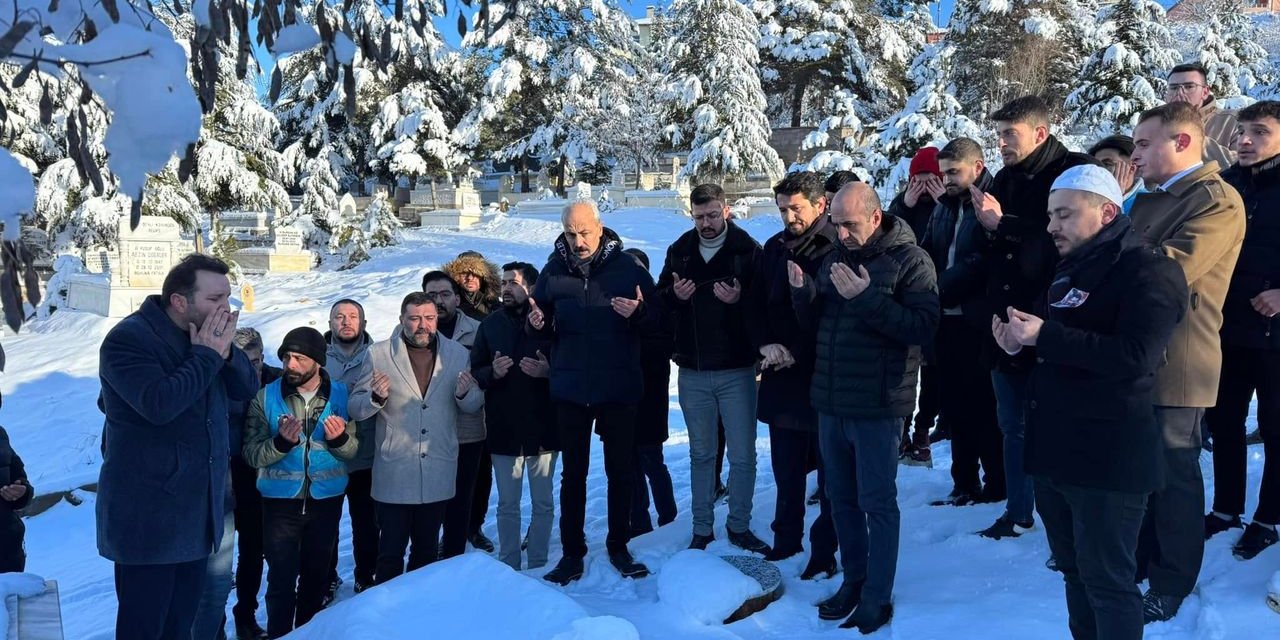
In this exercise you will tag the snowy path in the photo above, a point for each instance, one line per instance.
(951, 584)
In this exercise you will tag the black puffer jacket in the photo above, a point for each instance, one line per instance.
(963, 283)
(1020, 253)
(12, 471)
(517, 408)
(597, 351)
(782, 395)
(1258, 268)
(1089, 417)
(710, 335)
(868, 348)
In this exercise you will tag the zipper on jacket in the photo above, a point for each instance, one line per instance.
(306, 454)
(586, 285)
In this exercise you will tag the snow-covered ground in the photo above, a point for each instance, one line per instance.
(951, 583)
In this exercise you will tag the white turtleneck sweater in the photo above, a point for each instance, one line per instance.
(709, 247)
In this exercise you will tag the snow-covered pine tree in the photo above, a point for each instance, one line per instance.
(1218, 59)
(719, 110)
(412, 127)
(932, 115)
(545, 68)
(1126, 77)
(1256, 74)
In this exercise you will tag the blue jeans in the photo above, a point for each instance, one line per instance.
(1011, 413)
(860, 463)
(706, 397)
(211, 615)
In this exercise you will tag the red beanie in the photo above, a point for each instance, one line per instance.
(925, 161)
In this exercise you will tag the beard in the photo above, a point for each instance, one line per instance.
(420, 338)
(298, 379)
(355, 336)
(509, 301)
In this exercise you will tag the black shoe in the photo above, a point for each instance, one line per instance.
(722, 492)
(566, 571)
(360, 587)
(958, 498)
(816, 568)
(626, 565)
(1005, 527)
(989, 496)
(479, 541)
(867, 618)
(1253, 438)
(1213, 525)
(939, 434)
(813, 499)
(1255, 539)
(1158, 608)
(778, 554)
(748, 541)
(249, 630)
(524, 544)
(842, 603)
(332, 593)
(700, 542)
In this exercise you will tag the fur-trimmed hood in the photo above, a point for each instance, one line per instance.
(491, 288)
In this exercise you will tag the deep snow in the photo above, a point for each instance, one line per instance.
(951, 583)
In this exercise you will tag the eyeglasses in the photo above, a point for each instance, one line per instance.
(438, 295)
(708, 217)
(1184, 87)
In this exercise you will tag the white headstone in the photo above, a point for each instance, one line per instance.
(288, 240)
(582, 191)
(149, 251)
(347, 207)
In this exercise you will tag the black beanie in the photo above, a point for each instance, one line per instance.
(306, 341)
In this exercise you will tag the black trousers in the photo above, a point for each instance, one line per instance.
(158, 601)
(649, 465)
(364, 528)
(1244, 373)
(616, 425)
(968, 404)
(400, 524)
(300, 536)
(13, 553)
(458, 509)
(483, 490)
(249, 553)
(1171, 546)
(793, 454)
(1093, 535)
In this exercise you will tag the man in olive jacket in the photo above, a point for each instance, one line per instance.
(416, 453)
(1198, 220)
(874, 302)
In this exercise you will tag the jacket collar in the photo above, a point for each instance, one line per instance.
(1186, 182)
(610, 247)
(735, 239)
(287, 388)
(893, 232)
(1046, 154)
(335, 347)
(1265, 173)
(154, 314)
(1109, 241)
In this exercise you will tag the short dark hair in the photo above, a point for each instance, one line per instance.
(359, 307)
(415, 299)
(1032, 110)
(1176, 113)
(1259, 110)
(434, 276)
(806, 183)
(528, 272)
(181, 279)
(1190, 67)
(640, 256)
(704, 193)
(961, 149)
(1119, 142)
(838, 179)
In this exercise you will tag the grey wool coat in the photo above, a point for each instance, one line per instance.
(470, 425)
(415, 458)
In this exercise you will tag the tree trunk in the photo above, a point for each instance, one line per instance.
(560, 175)
(524, 174)
(639, 166)
(797, 99)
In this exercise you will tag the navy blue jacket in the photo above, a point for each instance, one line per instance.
(518, 417)
(1258, 268)
(164, 468)
(11, 528)
(596, 352)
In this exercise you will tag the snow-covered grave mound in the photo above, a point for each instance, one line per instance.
(470, 596)
(704, 587)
